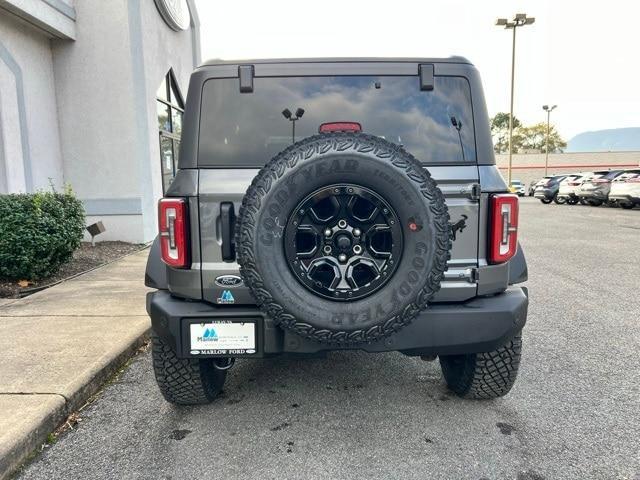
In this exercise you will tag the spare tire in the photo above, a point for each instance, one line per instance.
(343, 238)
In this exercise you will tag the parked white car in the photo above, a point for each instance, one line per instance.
(625, 189)
(569, 186)
(517, 187)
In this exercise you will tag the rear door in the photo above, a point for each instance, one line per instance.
(241, 131)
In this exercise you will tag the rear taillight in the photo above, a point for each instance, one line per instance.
(574, 184)
(633, 180)
(174, 228)
(503, 228)
(353, 127)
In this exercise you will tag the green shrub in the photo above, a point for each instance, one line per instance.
(38, 233)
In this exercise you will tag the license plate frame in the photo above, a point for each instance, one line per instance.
(225, 337)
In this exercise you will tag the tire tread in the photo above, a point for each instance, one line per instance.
(185, 381)
(288, 159)
(484, 375)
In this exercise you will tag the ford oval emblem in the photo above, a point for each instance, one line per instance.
(228, 281)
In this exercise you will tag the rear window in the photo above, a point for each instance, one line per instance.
(626, 176)
(247, 129)
(608, 175)
(571, 178)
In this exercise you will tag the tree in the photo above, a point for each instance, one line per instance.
(500, 132)
(535, 138)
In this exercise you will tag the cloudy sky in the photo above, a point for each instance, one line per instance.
(582, 55)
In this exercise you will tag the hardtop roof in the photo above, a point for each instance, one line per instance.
(452, 59)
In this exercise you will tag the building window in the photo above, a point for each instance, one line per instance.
(170, 108)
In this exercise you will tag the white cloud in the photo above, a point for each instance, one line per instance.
(580, 55)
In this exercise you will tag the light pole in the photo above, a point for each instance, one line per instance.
(286, 113)
(519, 20)
(547, 109)
(457, 124)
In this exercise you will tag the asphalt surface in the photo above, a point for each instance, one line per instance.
(573, 413)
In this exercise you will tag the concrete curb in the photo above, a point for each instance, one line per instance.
(25, 443)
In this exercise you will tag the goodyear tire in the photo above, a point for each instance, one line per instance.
(394, 182)
(185, 381)
(483, 375)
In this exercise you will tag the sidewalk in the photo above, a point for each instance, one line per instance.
(59, 345)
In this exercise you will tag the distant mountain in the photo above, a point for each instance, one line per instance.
(612, 140)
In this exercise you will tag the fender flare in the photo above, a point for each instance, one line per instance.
(518, 272)
(155, 275)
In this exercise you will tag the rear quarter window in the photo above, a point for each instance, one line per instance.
(247, 129)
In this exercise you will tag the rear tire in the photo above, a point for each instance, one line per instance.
(559, 201)
(583, 201)
(627, 206)
(571, 201)
(483, 375)
(185, 381)
(546, 201)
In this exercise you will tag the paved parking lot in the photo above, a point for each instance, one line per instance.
(574, 412)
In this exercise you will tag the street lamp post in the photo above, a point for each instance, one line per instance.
(286, 113)
(519, 20)
(547, 109)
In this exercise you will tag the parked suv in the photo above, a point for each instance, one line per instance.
(569, 186)
(336, 204)
(625, 189)
(595, 190)
(547, 189)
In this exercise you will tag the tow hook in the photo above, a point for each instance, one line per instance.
(224, 363)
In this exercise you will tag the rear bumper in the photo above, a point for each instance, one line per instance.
(478, 325)
(624, 198)
(567, 195)
(546, 194)
(593, 194)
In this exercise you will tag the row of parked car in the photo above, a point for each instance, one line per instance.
(612, 187)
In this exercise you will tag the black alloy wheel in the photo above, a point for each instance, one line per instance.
(343, 242)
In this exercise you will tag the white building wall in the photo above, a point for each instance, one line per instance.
(106, 83)
(162, 49)
(30, 153)
(78, 82)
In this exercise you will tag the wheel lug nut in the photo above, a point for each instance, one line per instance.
(327, 249)
(342, 223)
(357, 249)
(342, 257)
(327, 232)
(356, 232)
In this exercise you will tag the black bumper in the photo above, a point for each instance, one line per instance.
(478, 325)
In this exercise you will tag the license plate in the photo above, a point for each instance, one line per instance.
(222, 338)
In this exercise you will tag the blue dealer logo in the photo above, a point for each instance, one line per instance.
(226, 297)
(209, 335)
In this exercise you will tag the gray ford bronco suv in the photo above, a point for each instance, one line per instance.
(333, 204)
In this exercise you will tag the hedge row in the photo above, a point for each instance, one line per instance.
(38, 233)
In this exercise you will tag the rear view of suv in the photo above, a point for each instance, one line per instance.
(569, 186)
(547, 189)
(625, 189)
(336, 204)
(595, 190)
